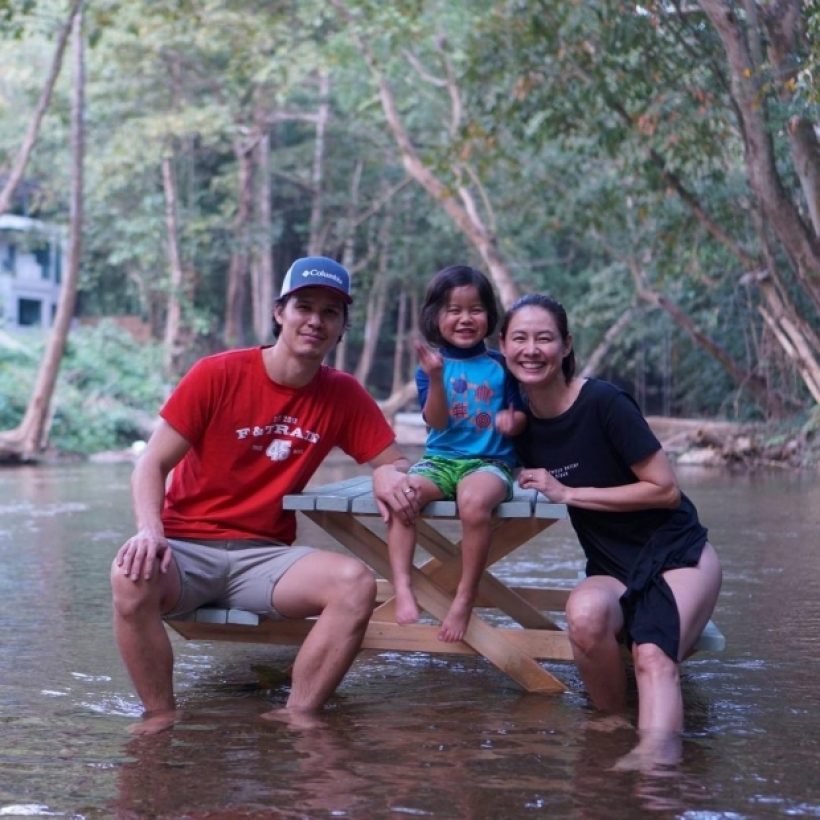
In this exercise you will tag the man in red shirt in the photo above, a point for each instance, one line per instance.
(241, 430)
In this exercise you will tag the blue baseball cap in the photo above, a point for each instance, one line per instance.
(317, 272)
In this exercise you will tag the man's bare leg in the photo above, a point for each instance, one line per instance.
(478, 495)
(144, 644)
(342, 591)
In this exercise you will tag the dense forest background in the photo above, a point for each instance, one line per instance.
(654, 166)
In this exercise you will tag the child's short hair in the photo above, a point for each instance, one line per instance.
(455, 276)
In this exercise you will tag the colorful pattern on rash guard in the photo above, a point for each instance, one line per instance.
(477, 387)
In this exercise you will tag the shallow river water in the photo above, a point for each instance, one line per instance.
(405, 734)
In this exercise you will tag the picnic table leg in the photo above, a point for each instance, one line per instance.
(363, 542)
(445, 569)
(506, 538)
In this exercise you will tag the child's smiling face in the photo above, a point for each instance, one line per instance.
(463, 318)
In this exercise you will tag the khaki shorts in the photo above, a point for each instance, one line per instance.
(231, 574)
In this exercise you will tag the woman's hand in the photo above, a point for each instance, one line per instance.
(656, 488)
(537, 478)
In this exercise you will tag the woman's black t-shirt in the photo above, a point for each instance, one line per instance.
(593, 444)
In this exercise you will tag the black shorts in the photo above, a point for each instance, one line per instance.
(649, 607)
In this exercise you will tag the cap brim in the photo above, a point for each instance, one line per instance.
(348, 299)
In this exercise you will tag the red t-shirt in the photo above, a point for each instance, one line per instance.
(254, 441)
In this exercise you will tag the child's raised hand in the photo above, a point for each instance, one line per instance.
(504, 421)
(430, 361)
(508, 422)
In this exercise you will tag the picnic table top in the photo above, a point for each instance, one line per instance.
(355, 495)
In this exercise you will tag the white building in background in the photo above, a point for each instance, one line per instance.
(31, 263)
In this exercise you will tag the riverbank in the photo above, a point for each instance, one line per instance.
(108, 379)
(699, 442)
(690, 442)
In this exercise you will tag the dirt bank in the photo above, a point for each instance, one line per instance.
(699, 442)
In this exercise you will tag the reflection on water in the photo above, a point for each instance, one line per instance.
(406, 734)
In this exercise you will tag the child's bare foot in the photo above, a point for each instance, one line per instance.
(455, 624)
(407, 610)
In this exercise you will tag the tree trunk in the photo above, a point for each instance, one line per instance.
(647, 293)
(470, 225)
(398, 399)
(466, 218)
(398, 348)
(797, 338)
(593, 363)
(262, 262)
(807, 167)
(30, 437)
(780, 211)
(340, 353)
(238, 269)
(376, 300)
(317, 176)
(792, 338)
(782, 21)
(23, 155)
(172, 341)
(402, 394)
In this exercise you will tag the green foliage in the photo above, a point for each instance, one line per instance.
(108, 391)
(18, 366)
(581, 124)
(11, 14)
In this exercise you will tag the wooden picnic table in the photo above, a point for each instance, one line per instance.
(342, 509)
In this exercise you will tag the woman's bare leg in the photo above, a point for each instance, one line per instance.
(660, 703)
(594, 621)
(696, 591)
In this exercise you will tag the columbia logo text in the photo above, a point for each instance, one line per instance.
(323, 274)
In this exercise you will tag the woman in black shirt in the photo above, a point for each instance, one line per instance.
(652, 576)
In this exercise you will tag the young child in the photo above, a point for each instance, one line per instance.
(471, 408)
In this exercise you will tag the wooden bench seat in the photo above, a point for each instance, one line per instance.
(293, 633)
(342, 508)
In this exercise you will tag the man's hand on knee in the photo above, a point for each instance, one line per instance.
(141, 553)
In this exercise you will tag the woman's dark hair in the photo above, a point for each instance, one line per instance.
(556, 309)
(283, 300)
(455, 276)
